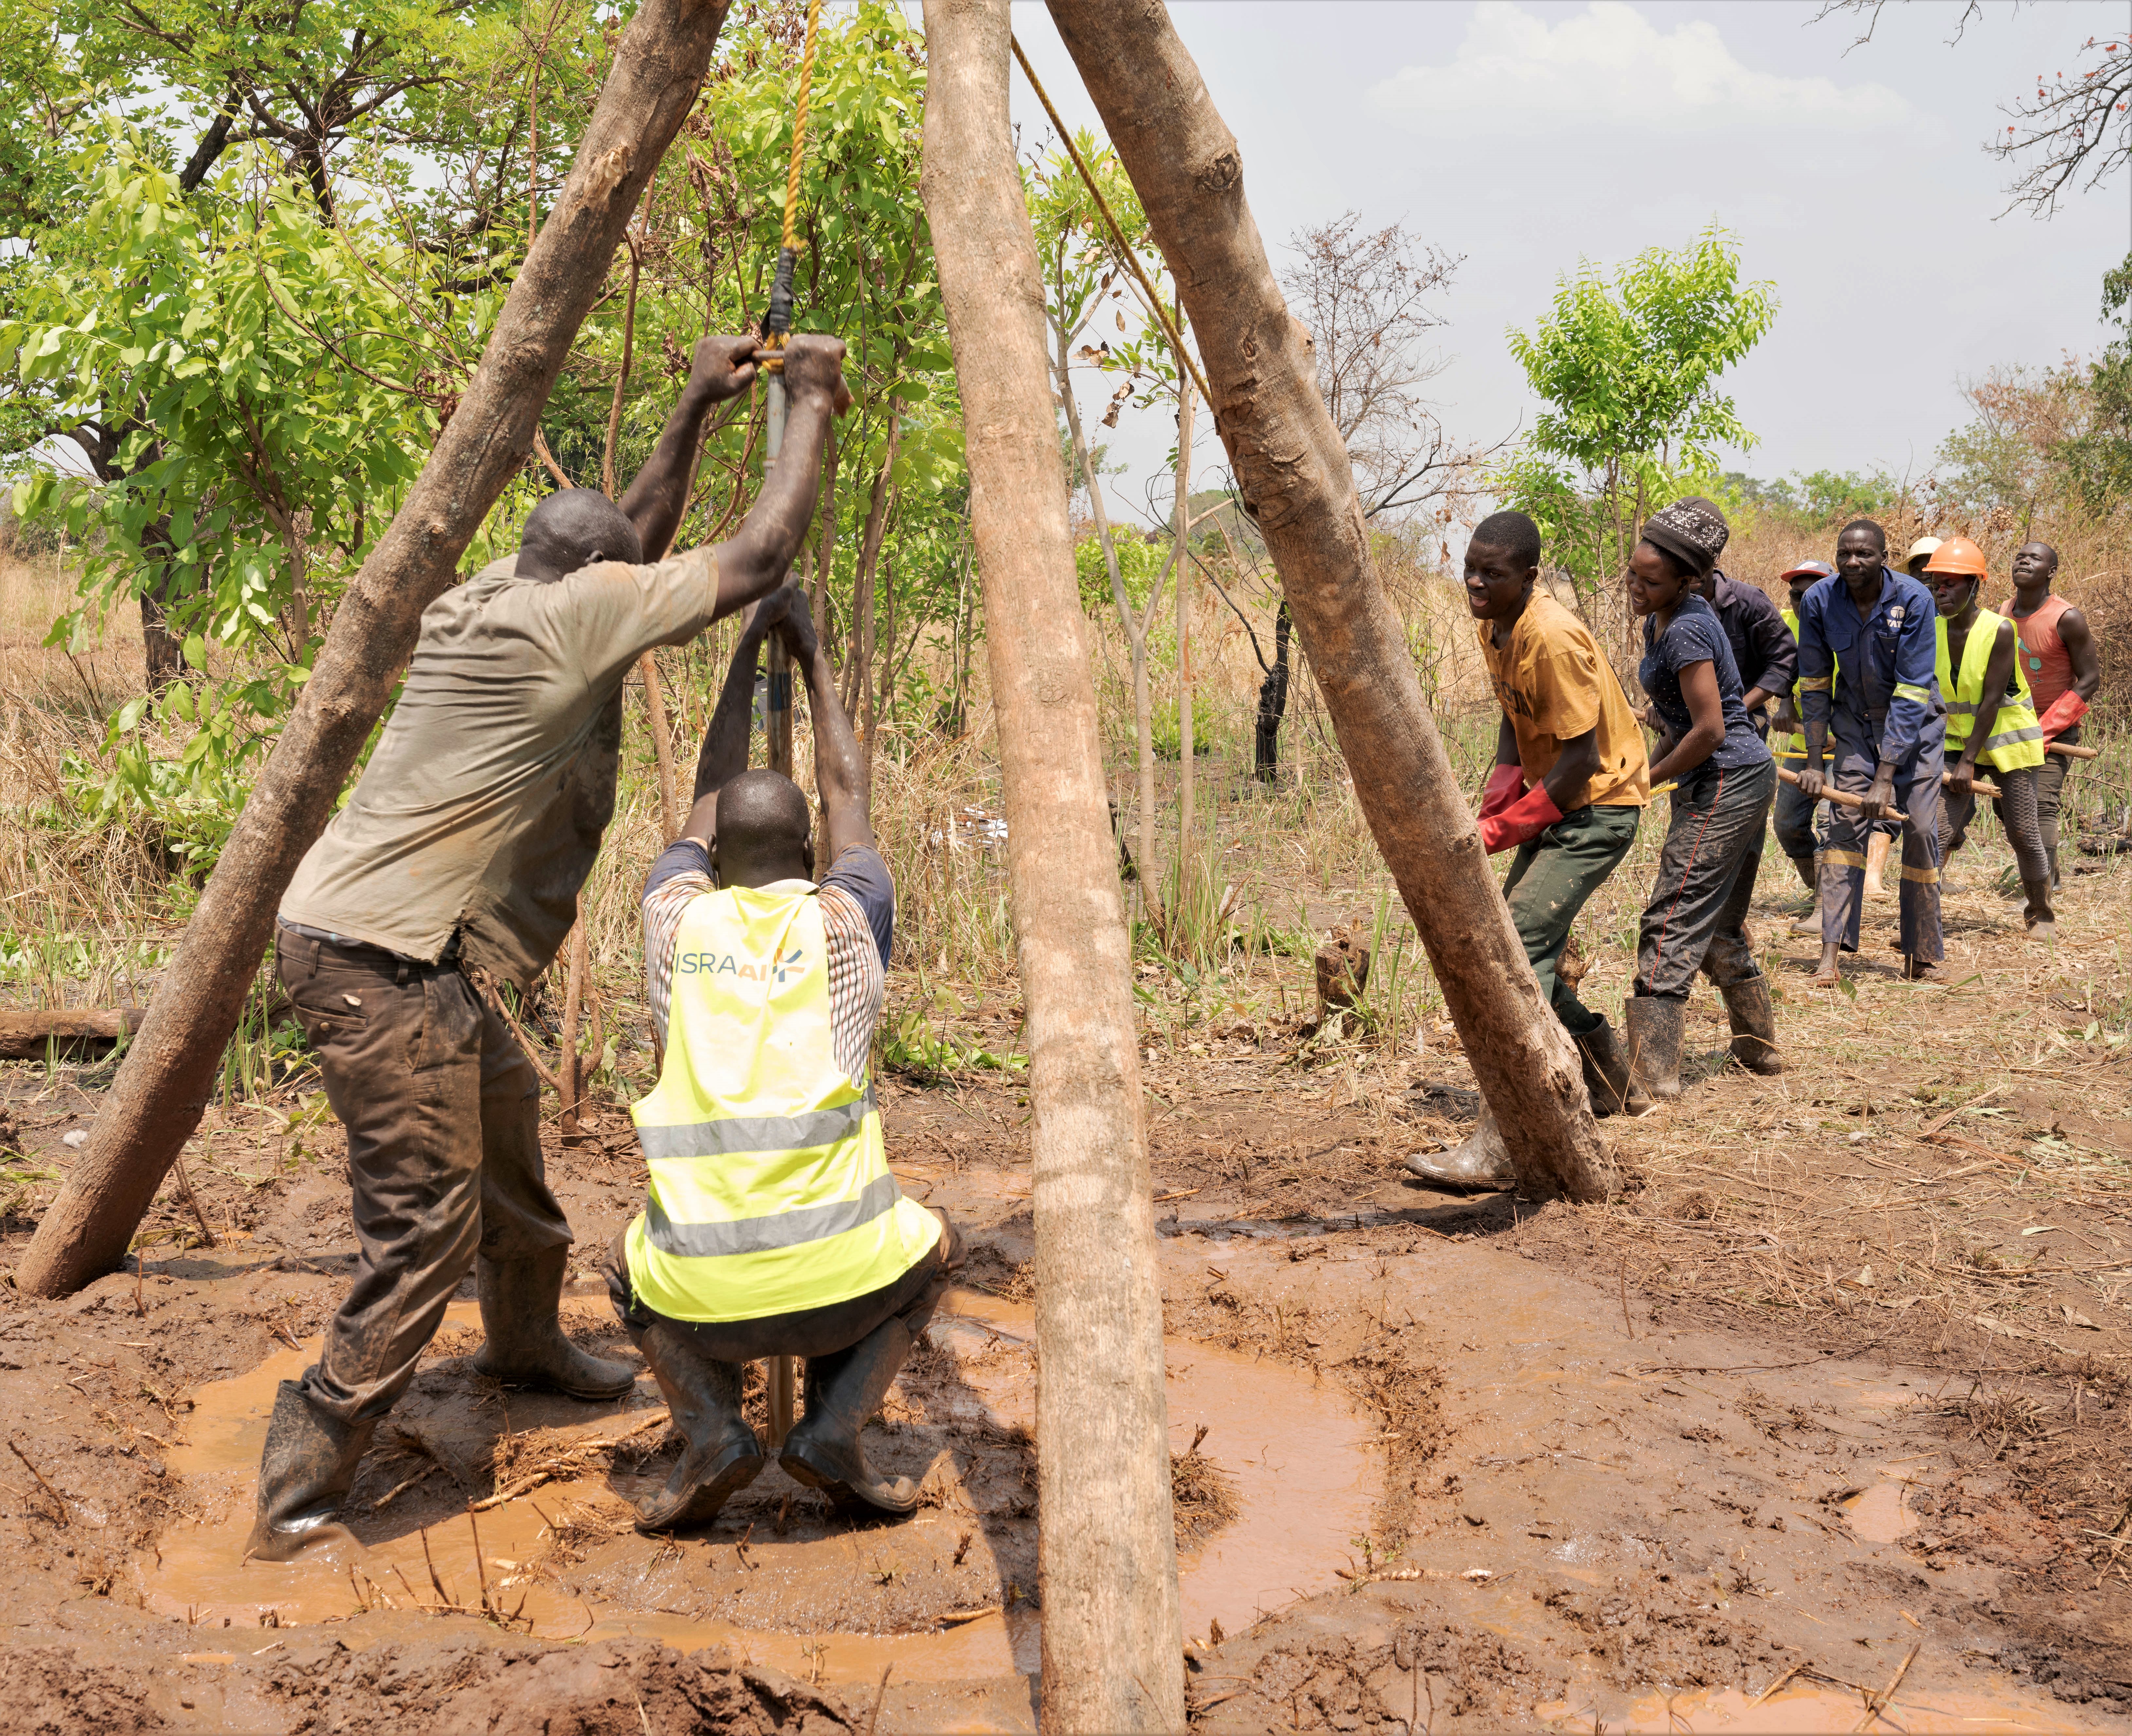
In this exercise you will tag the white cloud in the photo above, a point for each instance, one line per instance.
(1610, 65)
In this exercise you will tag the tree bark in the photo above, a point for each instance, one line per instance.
(672, 814)
(1298, 485)
(161, 1089)
(1113, 1636)
(1273, 703)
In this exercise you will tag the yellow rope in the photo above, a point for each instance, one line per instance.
(799, 128)
(1129, 258)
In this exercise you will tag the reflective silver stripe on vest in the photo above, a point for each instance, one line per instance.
(757, 1132)
(2007, 737)
(763, 1235)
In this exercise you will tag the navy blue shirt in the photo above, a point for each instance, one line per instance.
(1695, 635)
(1888, 689)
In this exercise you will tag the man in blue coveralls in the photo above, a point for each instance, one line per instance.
(1866, 658)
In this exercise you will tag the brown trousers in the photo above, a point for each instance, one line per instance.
(442, 1110)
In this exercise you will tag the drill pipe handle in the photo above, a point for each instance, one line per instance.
(1845, 799)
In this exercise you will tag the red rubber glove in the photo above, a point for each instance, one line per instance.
(1519, 821)
(2067, 710)
(1505, 784)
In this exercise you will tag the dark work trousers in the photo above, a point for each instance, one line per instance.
(2016, 809)
(1843, 867)
(1695, 918)
(443, 1113)
(806, 1331)
(1792, 821)
(1550, 880)
(2050, 792)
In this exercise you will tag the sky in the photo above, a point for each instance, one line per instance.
(1526, 134)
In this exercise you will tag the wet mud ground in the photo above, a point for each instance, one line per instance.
(1823, 1419)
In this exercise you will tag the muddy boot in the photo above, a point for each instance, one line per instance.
(841, 1390)
(721, 1456)
(1480, 1162)
(2041, 918)
(1653, 1023)
(1754, 1015)
(1876, 859)
(527, 1347)
(308, 1466)
(1607, 1075)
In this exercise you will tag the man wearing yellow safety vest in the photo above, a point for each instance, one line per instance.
(1981, 678)
(1890, 731)
(772, 1226)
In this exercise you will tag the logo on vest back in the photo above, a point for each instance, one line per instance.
(772, 970)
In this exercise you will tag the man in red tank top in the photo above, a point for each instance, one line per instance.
(2057, 656)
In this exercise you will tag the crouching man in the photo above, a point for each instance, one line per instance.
(772, 1226)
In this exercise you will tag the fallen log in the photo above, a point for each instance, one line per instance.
(1292, 471)
(169, 1073)
(32, 1035)
(1112, 1631)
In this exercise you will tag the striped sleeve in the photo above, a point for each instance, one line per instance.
(857, 981)
(680, 877)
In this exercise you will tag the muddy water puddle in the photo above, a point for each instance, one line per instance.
(1303, 1464)
(1797, 1710)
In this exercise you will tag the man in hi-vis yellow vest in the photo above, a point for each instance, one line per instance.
(772, 1226)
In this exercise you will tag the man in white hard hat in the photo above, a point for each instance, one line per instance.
(1922, 550)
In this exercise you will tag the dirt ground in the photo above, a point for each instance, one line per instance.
(1824, 1418)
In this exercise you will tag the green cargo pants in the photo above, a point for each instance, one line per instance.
(1548, 881)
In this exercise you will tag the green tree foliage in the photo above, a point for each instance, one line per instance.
(1629, 366)
(2098, 458)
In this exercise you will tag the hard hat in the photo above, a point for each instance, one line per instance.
(1958, 554)
(1923, 545)
(1812, 569)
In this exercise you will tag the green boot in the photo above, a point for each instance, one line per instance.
(1754, 1016)
(721, 1456)
(842, 1391)
(527, 1347)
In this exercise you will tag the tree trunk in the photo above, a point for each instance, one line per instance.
(1273, 703)
(671, 812)
(858, 665)
(1298, 485)
(161, 1089)
(1106, 1553)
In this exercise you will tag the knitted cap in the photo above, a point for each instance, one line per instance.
(1692, 530)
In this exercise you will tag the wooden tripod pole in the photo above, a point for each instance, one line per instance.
(168, 1075)
(1296, 482)
(1107, 1551)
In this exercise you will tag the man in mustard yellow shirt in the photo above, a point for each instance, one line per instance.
(1569, 787)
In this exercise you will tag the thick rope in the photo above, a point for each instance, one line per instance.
(1127, 257)
(799, 128)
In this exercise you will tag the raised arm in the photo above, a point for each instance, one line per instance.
(757, 556)
(723, 369)
(840, 767)
(724, 754)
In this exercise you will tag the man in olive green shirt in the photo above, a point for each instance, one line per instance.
(462, 850)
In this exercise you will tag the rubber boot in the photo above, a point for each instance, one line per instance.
(840, 1392)
(527, 1346)
(1754, 1015)
(1653, 1023)
(306, 1469)
(2050, 855)
(721, 1456)
(1876, 859)
(1607, 1075)
(1481, 1161)
(2041, 918)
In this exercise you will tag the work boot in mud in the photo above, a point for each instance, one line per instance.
(527, 1346)
(2041, 920)
(1607, 1075)
(1749, 1005)
(841, 1390)
(720, 1455)
(1653, 1023)
(1481, 1161)
(305, 1470)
